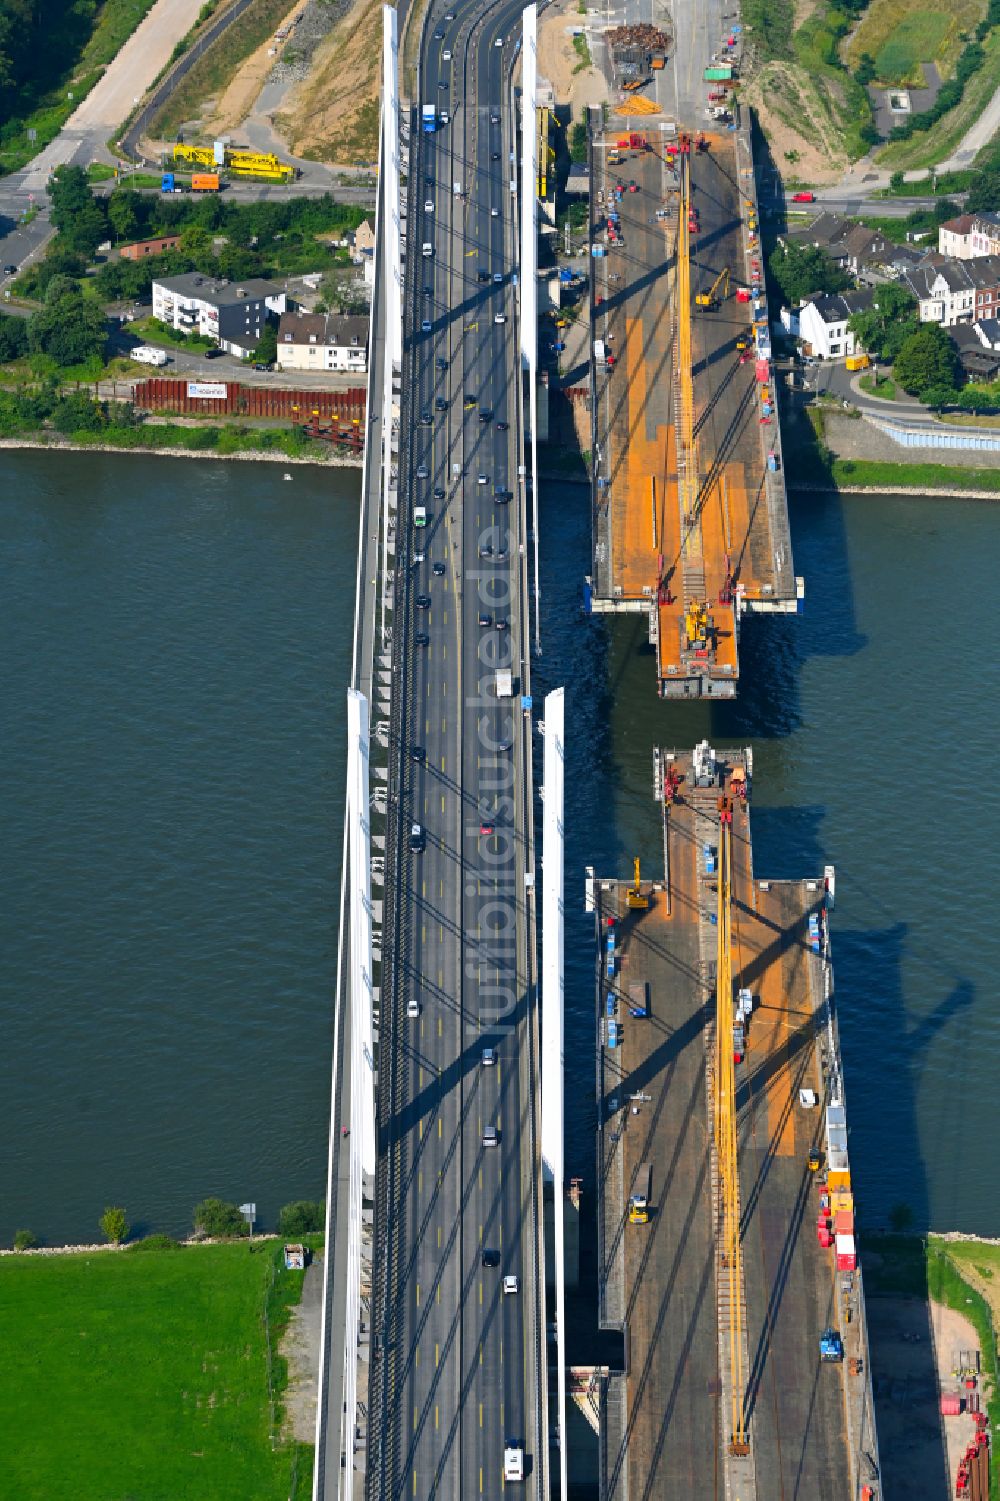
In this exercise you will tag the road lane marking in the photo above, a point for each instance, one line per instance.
(435, 1415)
(414, 1417)
(437, 1296)
(437, 1355)
(440, 1122)
(480, 1293)
(420, 1130)
(480, 1414)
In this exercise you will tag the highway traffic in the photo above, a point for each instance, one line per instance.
(457, 1379)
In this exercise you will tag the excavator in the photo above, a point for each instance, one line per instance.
(708, 300)
(633, 896)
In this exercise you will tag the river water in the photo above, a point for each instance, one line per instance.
(176, 640)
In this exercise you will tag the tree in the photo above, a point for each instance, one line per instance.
(928, 361)
(895, 307)
(938, 397)
(267, 346)
(13, 338)
(984, 195)
(24, 1240)
(865, 71)
(76, 413)
(124, 207)
(217, 1217)
(801, 270)
(114, 1225)
(577, 141)
(70, 330)
(303, 1217)
(81, 220)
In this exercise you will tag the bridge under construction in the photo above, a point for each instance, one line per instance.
(726, 1249)
(690, 512)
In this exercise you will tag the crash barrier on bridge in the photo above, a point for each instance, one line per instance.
(210, 398)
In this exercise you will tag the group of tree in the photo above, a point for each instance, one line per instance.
(928, 366)
(69, 328)
(802, 271)
(215, 1217)
(884, 328)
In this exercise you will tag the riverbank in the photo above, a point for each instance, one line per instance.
(900, 487)
(246, 455)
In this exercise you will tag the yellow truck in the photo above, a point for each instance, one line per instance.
(857, 362)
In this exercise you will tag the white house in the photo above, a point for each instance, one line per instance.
(823, 323)
(945, 293)
(323, 342)
(969, 236)
(233, 313)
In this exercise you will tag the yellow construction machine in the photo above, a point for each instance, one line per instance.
(633, 896)
(709, 300)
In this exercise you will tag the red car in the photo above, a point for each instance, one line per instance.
(803, 197)
(485, 828)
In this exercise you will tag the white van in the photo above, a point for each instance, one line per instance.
(427, 249)
(147, 355)
(513, 1463)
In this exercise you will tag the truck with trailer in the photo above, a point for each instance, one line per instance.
(205, 182)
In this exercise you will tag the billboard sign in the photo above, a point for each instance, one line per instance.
(208, 390)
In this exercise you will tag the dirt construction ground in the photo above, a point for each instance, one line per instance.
(333, 113)
(232, 107)
(560, 64)
(914, 1351)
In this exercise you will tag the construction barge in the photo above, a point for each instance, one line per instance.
(726, 1209)
(690, 514)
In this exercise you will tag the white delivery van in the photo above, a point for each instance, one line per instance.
(513, 1463)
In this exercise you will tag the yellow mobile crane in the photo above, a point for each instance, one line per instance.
(708, 299)
(725, 1135)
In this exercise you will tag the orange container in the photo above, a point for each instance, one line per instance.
(841, 1198)
(843, 1222)
(838, 1178)
(205, 182)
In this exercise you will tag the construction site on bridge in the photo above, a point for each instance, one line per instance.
(726, 1220)
(690, 511)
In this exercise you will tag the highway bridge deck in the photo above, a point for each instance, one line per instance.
(659, 1278)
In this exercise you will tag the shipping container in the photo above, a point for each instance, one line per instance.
(841, 1198)
(951, 1404)
(838, 1178)
(843, 1221)
(205, 182)
(846, 1253)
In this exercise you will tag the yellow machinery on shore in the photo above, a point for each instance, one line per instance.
(239, 163)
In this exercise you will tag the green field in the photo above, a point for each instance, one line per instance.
(917, 39)
(928, 147)
(902, 34)
(144, 1375)
(887, 474)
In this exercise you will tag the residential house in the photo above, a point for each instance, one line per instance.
(955, 237)
(823, 323)
(361, 241)
(978, 346)
(322, 342)
(140, 248)
(944, 291)
(985, 274)
(969, 236)
(233, 314)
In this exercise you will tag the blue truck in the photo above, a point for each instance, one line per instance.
(428, 117)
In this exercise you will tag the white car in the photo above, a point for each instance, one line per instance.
(498, 42)
(446, 55)
(428, 205)
(499, 317)
(510, 1285)
(413, 1008)
(494, 213)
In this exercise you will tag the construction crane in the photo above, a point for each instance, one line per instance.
(696, 624)
(725, 1136)
(633, 896)
(688, 466)
(708, 299)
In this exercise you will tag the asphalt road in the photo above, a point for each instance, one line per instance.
(460, 1376)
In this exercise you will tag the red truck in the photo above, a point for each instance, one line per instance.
(803, 197)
